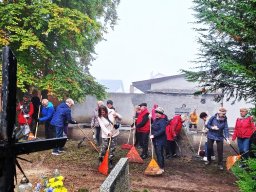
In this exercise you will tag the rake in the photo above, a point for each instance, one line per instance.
(152, 168)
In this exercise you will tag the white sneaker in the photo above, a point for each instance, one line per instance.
(55, 153)
(205, 159)
(160, 172)
(213, 158)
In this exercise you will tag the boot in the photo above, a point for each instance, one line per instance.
(111, 165)
(100, 160)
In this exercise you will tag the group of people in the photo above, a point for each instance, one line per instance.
(54, 120)
(217, 131)
(152, 125)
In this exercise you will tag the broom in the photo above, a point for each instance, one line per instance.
(103, 168)
(86, 137)
(127, 145)
(133, 155)
(38, 115)
(152, 168)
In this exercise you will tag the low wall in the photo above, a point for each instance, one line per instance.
(118, 179)
(125, 103)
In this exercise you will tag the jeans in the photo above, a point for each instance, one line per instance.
(243, 145)
(206, 149)
(97, 135)
(59, 134)
(170, 149)
(219, 150)
(159, 150)
(49, 130)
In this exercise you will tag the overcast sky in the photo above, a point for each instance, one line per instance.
(152, 36)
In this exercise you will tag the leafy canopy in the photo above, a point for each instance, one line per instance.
(54, 42)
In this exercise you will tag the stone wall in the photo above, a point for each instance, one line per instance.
(118, 179)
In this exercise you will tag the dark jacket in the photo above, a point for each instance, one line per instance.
(158, 130)
(62, 115)
(221, 124)
(47, 113)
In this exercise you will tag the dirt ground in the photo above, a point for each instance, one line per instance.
(79, 167)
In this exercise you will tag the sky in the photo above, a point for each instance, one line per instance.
(151, 37)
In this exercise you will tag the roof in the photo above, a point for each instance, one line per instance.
(145, 85)
(113, 86)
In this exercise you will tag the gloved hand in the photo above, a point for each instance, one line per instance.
(228, 142)
(149, 115)
(152, 136)
(26, 116)
(215, 127)
(21, 107)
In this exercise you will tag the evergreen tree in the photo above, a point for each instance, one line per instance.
(227, 59)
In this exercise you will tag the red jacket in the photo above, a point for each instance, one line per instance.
(173, 128)
(21, 119)
(244, 128)
(145, 128)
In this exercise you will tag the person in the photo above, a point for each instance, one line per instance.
(137, 134)
(36, 103)
(243, 131)
(109, 133)
(193, 119)
(25, 110)
(46, 117)
(204, 117)
(110, 104)
(61, 116)
(95, 122)
(158, 137)
(172, 132)
(153, 112)
(217, 131)
(143, 128)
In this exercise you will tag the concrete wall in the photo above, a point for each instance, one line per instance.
(118, 179)
(125, 102)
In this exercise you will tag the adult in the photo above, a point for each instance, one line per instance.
(36, 103)
(110, 104)
(143, 127)
(193, 119)
(62, 116)
(109, 133)
(25, 110)
(158, 137)
(172, 132)
(46, 117)
(204, 117)
(243, 131)
(217, 131)
(137, 134)
(95, 122)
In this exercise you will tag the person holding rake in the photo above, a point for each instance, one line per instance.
(158, 136)
(109, 132)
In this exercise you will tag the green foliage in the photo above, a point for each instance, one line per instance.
(227, 60)
(246, 176)
(54, 43)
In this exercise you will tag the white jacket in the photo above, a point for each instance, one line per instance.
(108, 127)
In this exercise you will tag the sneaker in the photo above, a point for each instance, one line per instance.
(213, 158)
(144, 156)
(205, 159)
(174, 155)
(61, 151)
(55, 153)
(221, 167)
(207, 163)
(160, 172)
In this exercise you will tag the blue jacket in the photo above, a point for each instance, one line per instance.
(61, 116)
(47, 113)
(221, 124)
(158, 130)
